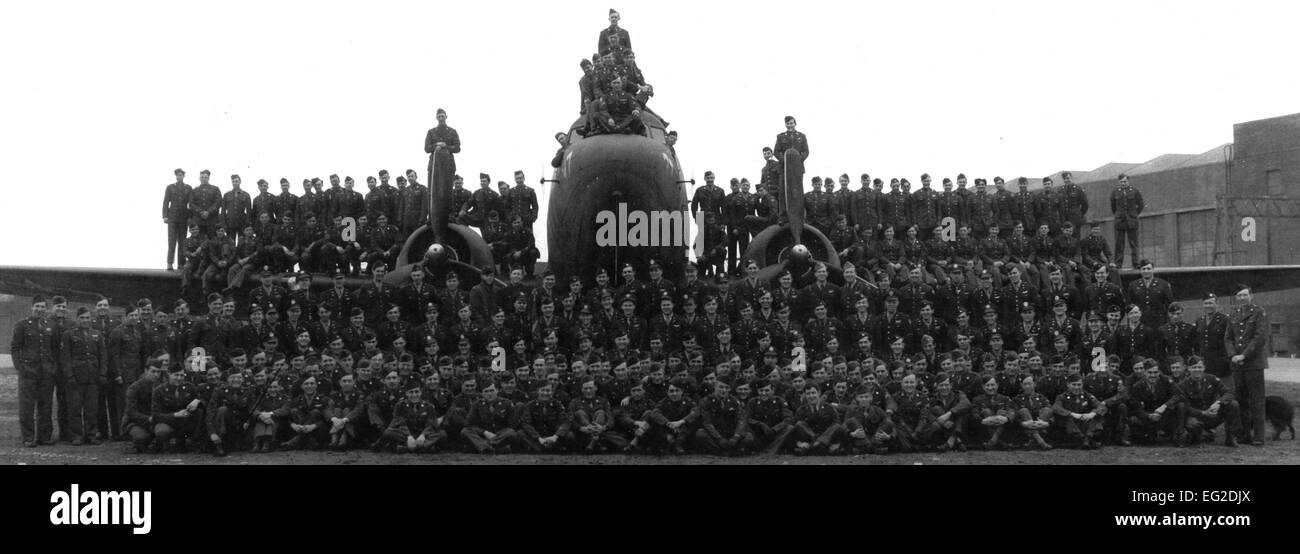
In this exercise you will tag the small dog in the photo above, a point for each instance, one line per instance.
(1279, 414)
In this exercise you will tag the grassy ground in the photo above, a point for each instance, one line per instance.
(12, 452)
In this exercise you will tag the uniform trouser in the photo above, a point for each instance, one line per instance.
(61, 405)
(279, 260)
(833, 434)
(526, 257)
(607, 437)
(1248, 385)
(180, 429)
(226, 423)
(954, 429)
(923, 232)
(737, 243)
(83, 402)
(176, 233)
(376, 256)
(1131, 237)
(504, 437)
(910, 434)
(871, 428)
(1044, 280)
(1084, 429)
(1116, 420)
(1173, 421)
(1229, 415)
(140, 436)
(994, 432)
(239, 272)
(266, 430)
(112, 397)
(399, 436)
(659, 434)
(235, 232)
(935, 273)
(771, 439)
(35, 394)
(212, 273)
(708, 444)
(563, 441)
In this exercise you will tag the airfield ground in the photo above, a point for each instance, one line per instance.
(1283, 380)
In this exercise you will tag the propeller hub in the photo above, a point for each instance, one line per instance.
(436, 254)
(800, 253)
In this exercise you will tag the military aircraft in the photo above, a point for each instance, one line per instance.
(617, 174)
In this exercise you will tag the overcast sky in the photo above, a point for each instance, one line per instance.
(102, 100)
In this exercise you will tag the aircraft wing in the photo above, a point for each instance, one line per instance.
(84, 283)
(1190, 283)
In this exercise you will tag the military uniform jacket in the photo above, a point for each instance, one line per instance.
(375, 298)
(673, 410)
(1048, 208)
(84, 357)
(168, 399)
(266, 203)
(139, 401)
(708, 199)
(1146, 396)
(791, 139)
(819, 417)
(953, 205)
(414, 206)
(415, 418)
(1127, 205)
(1074, 202)
(491, 416)
(723, 417)
(1178, 339)
(771, 411)
(982, 211)
(1209, 334)
(380, 404)
(543, 418)
(866, 210)
(442, 133)
(1107, 386)
(896, 209)
(238, 401)
(925, 208)
(1096, 251)
(1139, 341)
(205, 198)
(1078, 403)
(236, 209)
(1247, 335)
(34, 347)
(287, 205)
(1201, 392)
(986, 405)
(1034, 403)
(1004, 206)
(1024, 208)
(1153, 297)
(176, 199)
(126, 353)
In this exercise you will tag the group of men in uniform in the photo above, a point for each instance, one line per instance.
(650, 364)
(613, 91)
(887, 230)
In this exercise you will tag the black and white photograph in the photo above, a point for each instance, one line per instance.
(269, 235)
